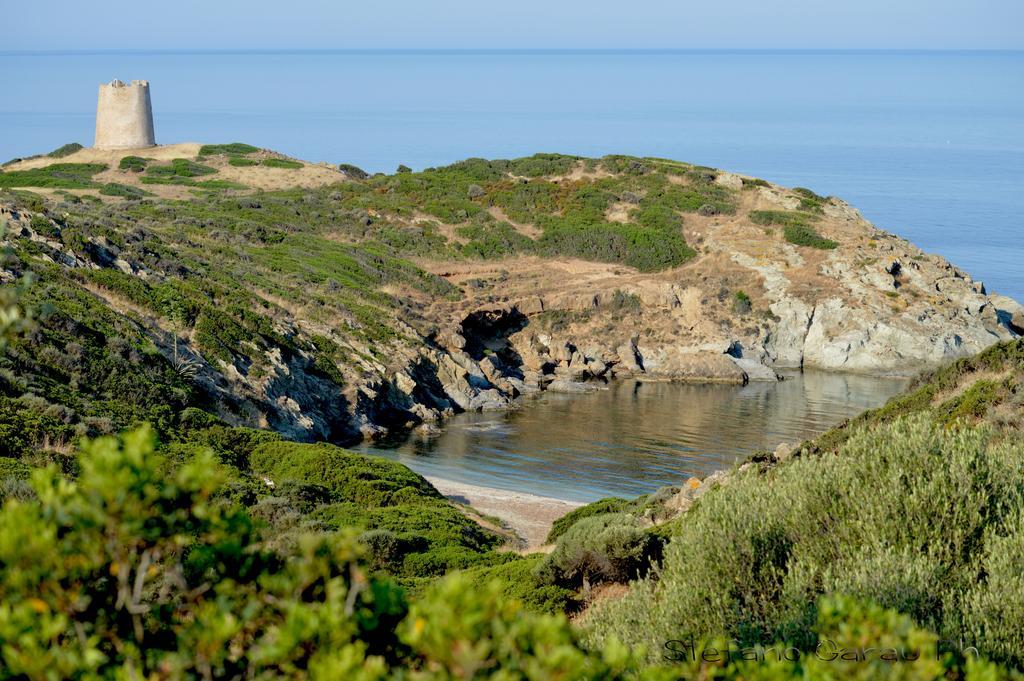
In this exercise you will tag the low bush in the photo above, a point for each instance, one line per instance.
(741, 303)
(609, 505)
(518, 580)
(44, 226)
(123, 190)
(366, 480)
(431, 537)
(65, 150)
(13, 468)
(802, 235)
(281, 163)
(57, 176)
(780, 217)
(493, 240)
(611, 547)
(796, 227)
(232, 149)
(178, 171)
(809, 201)
(353, 171)
(971, 404)
(136, 164)
(908, 514)
(242, 162)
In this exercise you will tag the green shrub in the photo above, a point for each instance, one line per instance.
(609, 505)
(541, 165)
(242, 162)
(972, 403)
(801, 235)
(809, 201)
(517, 580)
(136, 164)
(741, 303)
(612, 547)
(65, 150)
(44, 226)
(215, 184)
(13, 468)
(780, 217)
(281, 163)
(124, 190)
(904, 515)
(57, 176)
(178, 171)
(87, 572)
(493, 240)
(354, 477)
(432, 536)
(625, 302)
(233, 149)
(796, 227)
(353, 171)
(855, 640)
(462, 632)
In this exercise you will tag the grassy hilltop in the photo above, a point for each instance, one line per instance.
(161, 518)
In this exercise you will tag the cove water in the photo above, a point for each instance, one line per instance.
(635, 436)
(929, 145)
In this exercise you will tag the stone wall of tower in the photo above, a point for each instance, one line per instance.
(124, 116)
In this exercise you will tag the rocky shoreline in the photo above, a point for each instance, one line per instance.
(747, 304)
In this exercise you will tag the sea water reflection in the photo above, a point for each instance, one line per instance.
(635, 436)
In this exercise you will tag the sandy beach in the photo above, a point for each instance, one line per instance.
(529, 515)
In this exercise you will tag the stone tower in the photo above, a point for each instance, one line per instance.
(124, 116)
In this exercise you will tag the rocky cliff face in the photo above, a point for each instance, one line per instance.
(750, 304)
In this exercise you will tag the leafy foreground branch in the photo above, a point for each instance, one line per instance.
(137, 569)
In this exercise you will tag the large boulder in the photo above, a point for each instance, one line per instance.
(685, 364)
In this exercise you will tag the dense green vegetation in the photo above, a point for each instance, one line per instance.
(57, 175)
(193, 547)
(919, 518)
(571, 215)
(124, 190)
(136, 569)
(796, 225)
(805, 236)
(136, 164)
(281, 163)
(178, 171)
(232, 149)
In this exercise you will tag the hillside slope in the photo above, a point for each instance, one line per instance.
(348, 305)
(915, 506)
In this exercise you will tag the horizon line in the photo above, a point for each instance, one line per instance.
(517, 50)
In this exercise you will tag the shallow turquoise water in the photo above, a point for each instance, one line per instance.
(634, 437)
(929, 145)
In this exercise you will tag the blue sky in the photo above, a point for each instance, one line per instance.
(463, 24)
